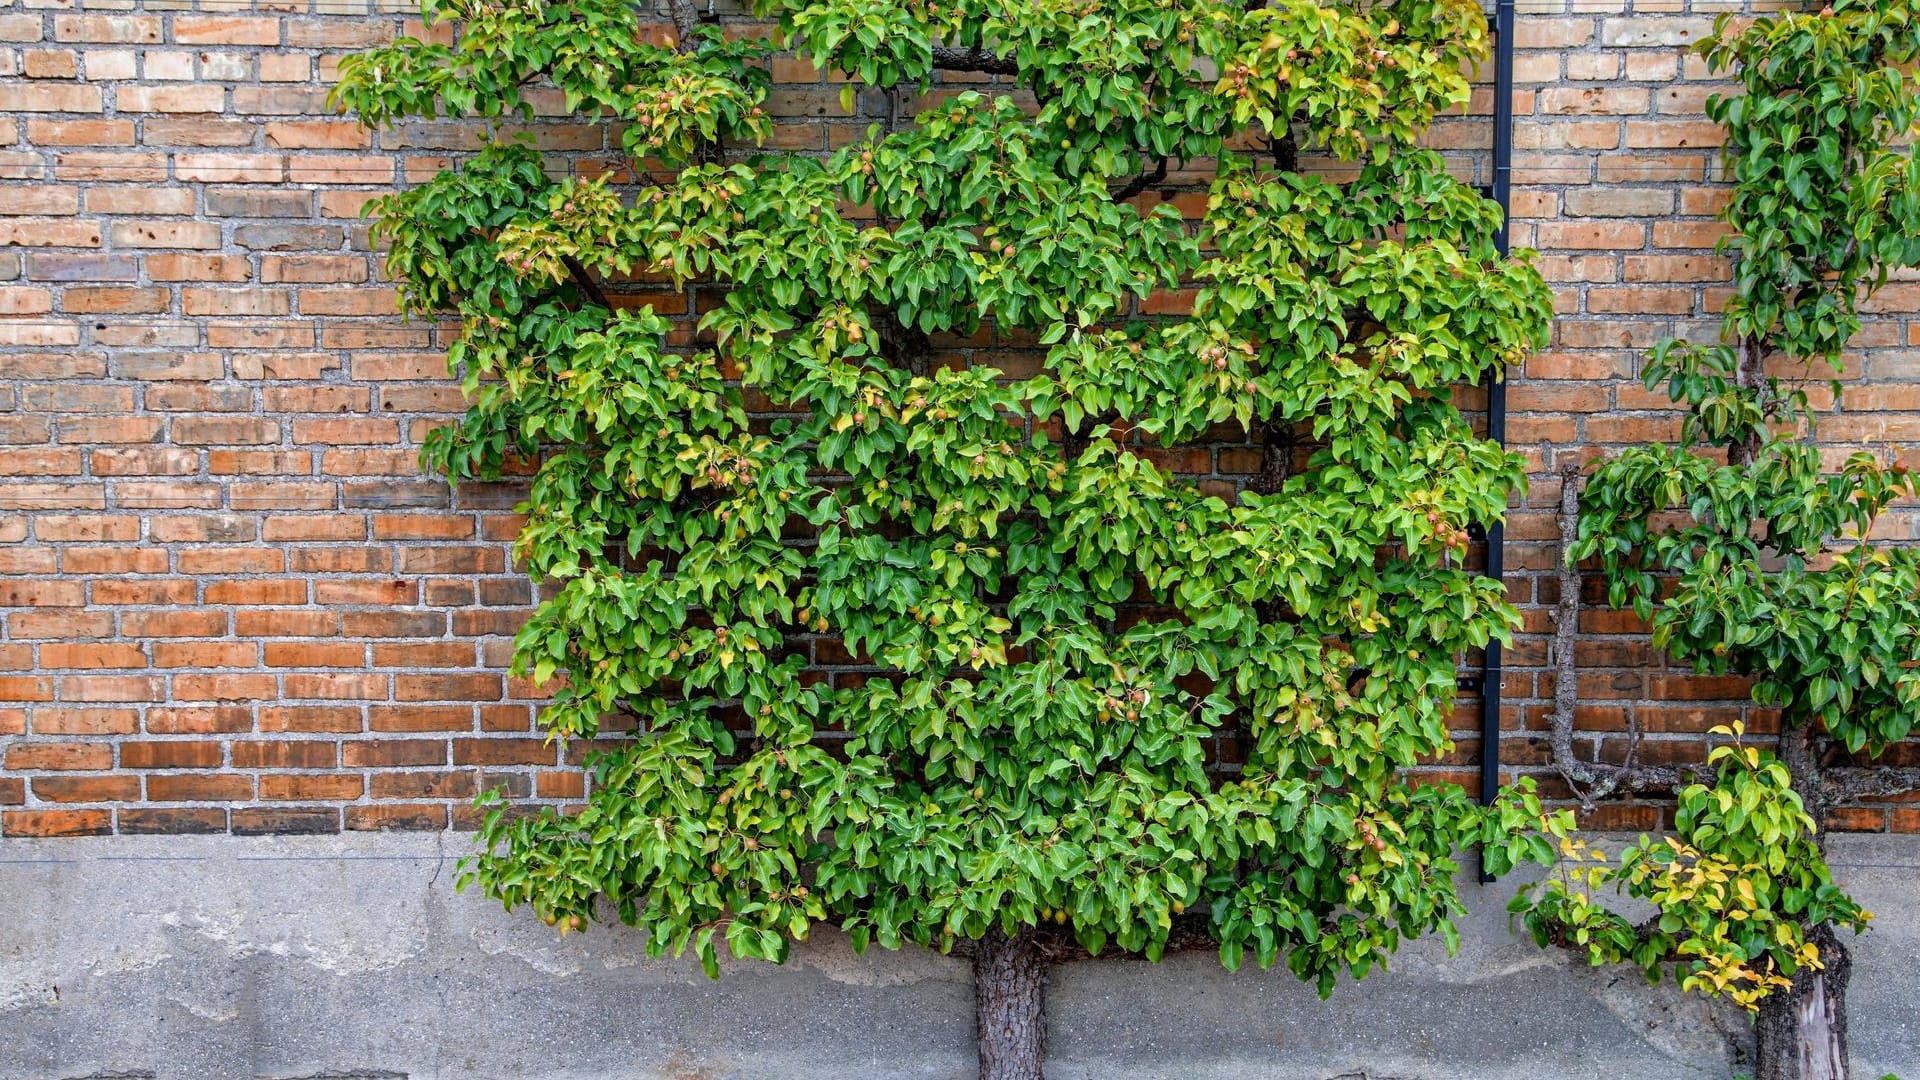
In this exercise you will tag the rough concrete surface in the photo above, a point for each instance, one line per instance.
(179, 958)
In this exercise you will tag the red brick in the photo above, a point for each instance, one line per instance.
(385, 753)
(199, 787)
(257, 821)
(170, 755)
(105, 654)
(172, 820)
(420, 718)
(285, 754)
(56, 822)
(76, 757)
(397, 817)
(424, 785)
(225, 30)
(85, 721)
(503, 752)
(303, 787)
(310, 718)
(314, 654)
(85, 789)
(199, 720)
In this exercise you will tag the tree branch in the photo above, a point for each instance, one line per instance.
(1142, 182)
(1749, 373)
(947, 58)
(1846, 784)
(585, 281)
(1590, 780)
(1286, 152)
(686, 20)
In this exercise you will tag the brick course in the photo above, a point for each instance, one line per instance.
(230, 602)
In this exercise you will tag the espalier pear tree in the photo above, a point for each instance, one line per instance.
(1750, 555)
(1058, 634)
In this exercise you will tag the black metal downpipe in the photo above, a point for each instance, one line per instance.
(1490, 670)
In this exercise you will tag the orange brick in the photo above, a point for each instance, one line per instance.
(85, 789)
(285, 754)
(302, 787)
(56, 822)
(78, 757)
(170, 755)
(225, 30)
(199, 787)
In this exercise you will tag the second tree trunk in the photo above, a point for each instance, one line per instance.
(1801, 1033)
(1009, 1001)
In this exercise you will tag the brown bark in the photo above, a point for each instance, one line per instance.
(1141, 183)
(1277, 445)
(1590, 780)
(686, 19)
(1801, 756)
(1009, 1000)
(1749, 374)
(583, 279)
(977, 59)
(1801, 1033)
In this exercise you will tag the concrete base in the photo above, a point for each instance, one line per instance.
(181, 958)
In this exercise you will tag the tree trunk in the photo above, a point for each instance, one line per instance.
(1749, 373)
(1801, 1033)
(1009, 999)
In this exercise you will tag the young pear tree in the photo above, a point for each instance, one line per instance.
(1749, 556)
(1101, 710)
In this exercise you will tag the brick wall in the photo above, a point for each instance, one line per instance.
(229, 601)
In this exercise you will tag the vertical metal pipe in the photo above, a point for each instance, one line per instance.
(1490, 671)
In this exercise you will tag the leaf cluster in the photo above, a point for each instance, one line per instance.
(1046, 636)
(1747, 553)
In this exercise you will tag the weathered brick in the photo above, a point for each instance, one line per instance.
(307, 787)
(200, 337)
(397, 817)
(56, 822)
(169, 99)
(48, 97)
(122, 29)
(170, 755)
(171, 820)
(85, 789)
(165, 234)
(199, 787)
(225, 30)
(285, 754)
(255, 821)
(78, 757)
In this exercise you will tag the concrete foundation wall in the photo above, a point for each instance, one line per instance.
(179, 958)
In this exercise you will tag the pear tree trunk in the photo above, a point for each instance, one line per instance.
(1009, 1000)
(1801, 1033)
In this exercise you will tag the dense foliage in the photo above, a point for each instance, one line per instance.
(1062, 631)
(1744, 551)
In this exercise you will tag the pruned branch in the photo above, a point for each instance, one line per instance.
(1590, 780)
(947, 58)
(1840, 785)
